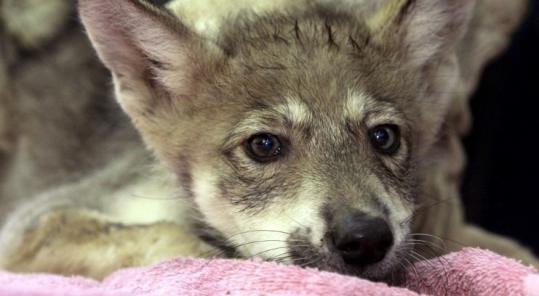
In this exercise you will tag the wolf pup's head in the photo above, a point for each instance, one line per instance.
(299, 137)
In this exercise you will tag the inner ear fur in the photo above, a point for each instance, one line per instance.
(426, 30)
(152, 55)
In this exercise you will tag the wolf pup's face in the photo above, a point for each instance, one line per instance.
(298, 137)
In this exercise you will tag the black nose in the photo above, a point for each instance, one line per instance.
(362, 240)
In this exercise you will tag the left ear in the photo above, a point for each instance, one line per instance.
(426, 30)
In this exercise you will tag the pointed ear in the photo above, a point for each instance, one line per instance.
(426, 29)
(426, 34)
(153, 57)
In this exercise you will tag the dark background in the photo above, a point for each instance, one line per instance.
(501, 185)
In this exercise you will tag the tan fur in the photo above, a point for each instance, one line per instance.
(207, 17)
(114, 176)
(69, 242)
(489, 33)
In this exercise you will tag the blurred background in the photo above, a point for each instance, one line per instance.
(501, 184)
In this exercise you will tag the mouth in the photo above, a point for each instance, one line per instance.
(298, 249)
(391, 269)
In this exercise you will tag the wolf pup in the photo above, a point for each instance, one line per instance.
(301, 136)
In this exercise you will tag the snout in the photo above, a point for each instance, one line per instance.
(360, 240)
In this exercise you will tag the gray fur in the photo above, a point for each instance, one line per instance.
(315, 75)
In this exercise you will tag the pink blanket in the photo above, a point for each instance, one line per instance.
(469, 272)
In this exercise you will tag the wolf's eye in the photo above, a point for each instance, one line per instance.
(263, 147)
(385, 138)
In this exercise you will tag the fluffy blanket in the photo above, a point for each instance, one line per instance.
(468, 272)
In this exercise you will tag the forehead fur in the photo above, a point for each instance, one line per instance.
(316, 57)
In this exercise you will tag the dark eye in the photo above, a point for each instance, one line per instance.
(385, 138)
(263, 147)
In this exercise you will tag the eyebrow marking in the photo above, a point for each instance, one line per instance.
(296, 112)
(360, 107)
(356, 105)
(291, 114)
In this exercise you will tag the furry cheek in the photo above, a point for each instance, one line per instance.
(265, 234)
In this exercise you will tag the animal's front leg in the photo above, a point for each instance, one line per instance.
(79, 242)
(471, 235)
(442, 229)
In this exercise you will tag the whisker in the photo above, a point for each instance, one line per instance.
(315, 261)
(268, 250)
(294, 220)
(460, 244)
(258, 230)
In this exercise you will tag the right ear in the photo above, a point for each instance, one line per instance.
(153, 57)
